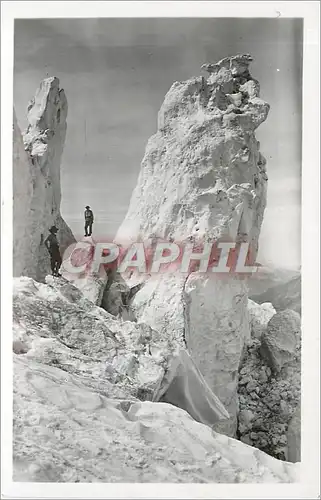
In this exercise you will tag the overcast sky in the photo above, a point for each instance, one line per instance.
(116, 72)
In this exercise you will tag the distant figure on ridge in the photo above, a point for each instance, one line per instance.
(52, 245)
(89, 219)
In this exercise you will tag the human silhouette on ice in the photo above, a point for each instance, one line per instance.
(89, 219)
(52, 245)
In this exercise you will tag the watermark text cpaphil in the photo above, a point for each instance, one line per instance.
(219, 257)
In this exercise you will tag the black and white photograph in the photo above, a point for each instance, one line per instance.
(157, 240)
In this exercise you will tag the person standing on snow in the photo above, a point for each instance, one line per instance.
(52, 245)
(89, 219)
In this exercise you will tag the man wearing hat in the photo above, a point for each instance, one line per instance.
(52, 245)
(89, 219)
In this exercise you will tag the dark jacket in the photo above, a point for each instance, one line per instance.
(52, 244)
(89, 216)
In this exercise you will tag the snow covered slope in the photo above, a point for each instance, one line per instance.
(83, 384)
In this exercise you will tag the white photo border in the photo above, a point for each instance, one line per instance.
(310, 250)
